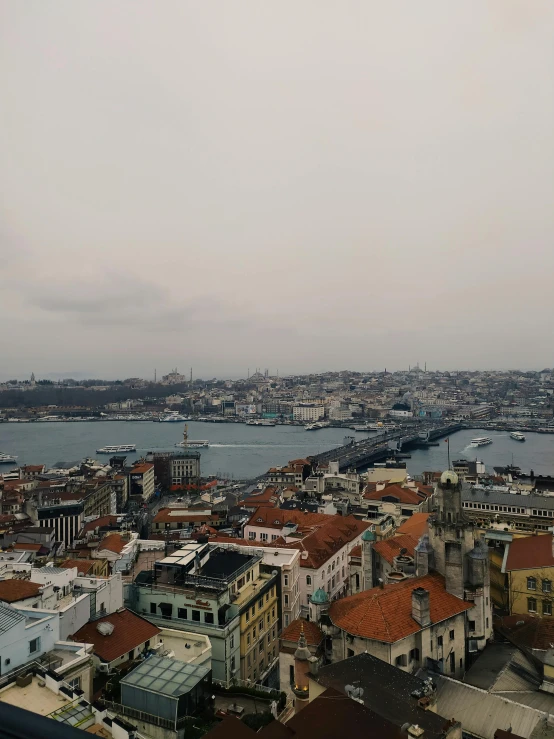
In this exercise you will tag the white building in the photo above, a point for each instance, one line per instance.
(308, 412)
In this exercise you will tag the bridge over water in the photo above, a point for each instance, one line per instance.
(358, 455)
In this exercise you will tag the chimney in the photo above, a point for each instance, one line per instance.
(421, 609)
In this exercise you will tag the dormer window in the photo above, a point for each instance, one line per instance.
(275, 522)
(259, 520)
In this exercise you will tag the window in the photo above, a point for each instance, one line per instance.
(286, 599)
(248, 661)
(414, 655)
(261, 625)
(251, 535)
(286, 580)
(291, 674)
(451, 634)
(273, 613)
(131, 654)
(263, 537)
(268, 619)
(232, 664)
(248, 640)
(471, 625)
(253, 632)
(546, 586)
(439, 641)
(34, 645)
(267, 597)
(75, 684)
(260, 604)
(196, 615)
(268, 639)
(531, 583)
(208, 618)
(308, 579)
(532, 605)
(232, 641)
(401, 660)
(546, 608)
(153, 608)
(182, 613)
(166, 609)
(286, 619)
(349, 652)
(452, 662)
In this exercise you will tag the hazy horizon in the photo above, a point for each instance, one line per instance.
(302, 186)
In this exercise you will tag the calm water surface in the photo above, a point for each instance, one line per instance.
(241, 451)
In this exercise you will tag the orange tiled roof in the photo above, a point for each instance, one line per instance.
(102, 521)
(142, 468)
(25, 547)
(84, 566)
(404, 495)
(13, 590)
(171, 515)
(325, 540)
(416, 525)
(356, 551)
(130, 631)
(385, 614)
(390, 548)
(276, 518)
(312, 632)
(529, 552)
(113, 543)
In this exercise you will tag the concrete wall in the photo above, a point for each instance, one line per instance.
(14, 644)
(74, 616)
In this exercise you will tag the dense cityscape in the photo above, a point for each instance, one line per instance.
(142, 597)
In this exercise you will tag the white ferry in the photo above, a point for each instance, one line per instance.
(173, 417)
(261, 422)
(315, 426)
(481, 441)
(7, 459)
(517, 435)
(117, 449)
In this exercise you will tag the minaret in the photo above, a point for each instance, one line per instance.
(302, 658)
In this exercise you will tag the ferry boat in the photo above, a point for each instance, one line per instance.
(481, 441)
(7, 459)
(117, 449)
(517, 435)
(173, 417)
(315, 426)
(261, 422)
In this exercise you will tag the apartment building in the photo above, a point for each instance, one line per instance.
(308, 412)
(209, 590)
(324, 543)
(141, 481)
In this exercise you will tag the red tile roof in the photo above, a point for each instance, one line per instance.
(113, 543)
(526, 631)
(268, 498)
(14, 590)
(404, 495)
(276, 518)
(325, 540)
(529, 552)
(385, 614)
(356, 551)
(388, 549)
(84, 566)
(172, 515)
(102, 521)
(24, 547)
(130, 631)
(142, 468)
(312, 632)
(416, 525)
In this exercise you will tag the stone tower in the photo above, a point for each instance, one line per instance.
(459, 556)
(319, 605)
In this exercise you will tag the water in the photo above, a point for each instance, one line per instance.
(241, 451)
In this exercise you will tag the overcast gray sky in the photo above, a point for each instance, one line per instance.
(292, 184)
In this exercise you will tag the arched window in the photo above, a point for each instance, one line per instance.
(531, 583)
(308, 579)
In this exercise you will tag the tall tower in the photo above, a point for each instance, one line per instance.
(462, 558)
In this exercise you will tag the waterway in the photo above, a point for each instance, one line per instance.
(238, 451)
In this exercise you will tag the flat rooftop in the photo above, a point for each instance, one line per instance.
(33, 698)
(223, 564)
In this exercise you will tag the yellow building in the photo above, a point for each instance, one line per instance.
(529, 574)
(259, 628)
